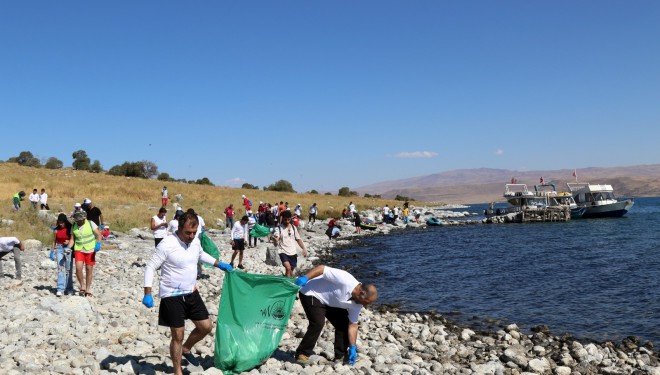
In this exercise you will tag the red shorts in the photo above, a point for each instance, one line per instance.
(87, 258)
(164, 200)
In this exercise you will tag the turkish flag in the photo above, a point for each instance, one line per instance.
(541, 179)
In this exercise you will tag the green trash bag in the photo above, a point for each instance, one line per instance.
(253, 314)
(209, 247)
(259, 231)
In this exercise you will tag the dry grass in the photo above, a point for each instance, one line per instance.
(131, 202)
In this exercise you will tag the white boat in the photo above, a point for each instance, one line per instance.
(518, 196)
(553, 198)
(599, 200)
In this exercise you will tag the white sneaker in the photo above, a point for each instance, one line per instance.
(59, 294)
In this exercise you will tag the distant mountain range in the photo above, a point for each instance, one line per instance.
(487, 185)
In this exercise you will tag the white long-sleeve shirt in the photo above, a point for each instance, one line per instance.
(239, 231)
(178, 264)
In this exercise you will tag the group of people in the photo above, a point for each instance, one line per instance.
(326, 293)
(36, 199)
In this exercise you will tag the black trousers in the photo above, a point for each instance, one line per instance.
(316, 313)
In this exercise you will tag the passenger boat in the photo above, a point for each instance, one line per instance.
(549, 191)
(598, 200)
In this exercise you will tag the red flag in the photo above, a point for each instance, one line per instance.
(513, 180)
(574, 172)
(541, 179)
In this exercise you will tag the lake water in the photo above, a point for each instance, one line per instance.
(592, 278)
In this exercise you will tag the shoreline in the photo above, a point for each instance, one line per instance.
(113, 332)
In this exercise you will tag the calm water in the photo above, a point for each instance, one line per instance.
(592, 278)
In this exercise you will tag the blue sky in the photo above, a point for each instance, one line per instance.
(331, 94)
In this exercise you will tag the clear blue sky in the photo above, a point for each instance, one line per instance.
(328, 94)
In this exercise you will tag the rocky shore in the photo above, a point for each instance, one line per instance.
(112, 332)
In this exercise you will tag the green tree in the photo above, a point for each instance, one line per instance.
(249, 186)
(281, 185)
(403, 198)
(142, 169)
(81, 160)
(204, 181)
(164, 177)
(328, 193)
(54, 163)
(25, 158)
(344, 192)
(313, 191)
(96, 167)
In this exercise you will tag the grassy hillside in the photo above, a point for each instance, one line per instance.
(131, 202)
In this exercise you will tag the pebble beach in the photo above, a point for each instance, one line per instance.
(112, 332)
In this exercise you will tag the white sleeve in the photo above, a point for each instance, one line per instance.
(206, 258)
(156, 261)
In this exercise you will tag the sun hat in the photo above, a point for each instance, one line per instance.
(88, 201)
(62, 218)
(80, 215)
(243, 196)
(77, 205)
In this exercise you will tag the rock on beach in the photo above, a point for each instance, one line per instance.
(112, 332)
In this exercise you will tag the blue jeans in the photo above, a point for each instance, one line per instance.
(230, 222)
(64, 269)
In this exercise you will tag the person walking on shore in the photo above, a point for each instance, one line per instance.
(239, 235)
(312, 214)
(11, 245)
(285, 237)
(61, 244)
(357, 221)
(159, 225)
(163, 197)
(336, 295)
(94, 213)
(246, 203)
(85, 242)
(43, 200)
(177, 257)
(229, 215)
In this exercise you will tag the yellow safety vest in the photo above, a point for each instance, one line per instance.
(85, 238)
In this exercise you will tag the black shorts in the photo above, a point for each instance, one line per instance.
(239, 245)
(175, 310)
(292, 259)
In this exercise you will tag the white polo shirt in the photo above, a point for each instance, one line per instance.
(334, 289)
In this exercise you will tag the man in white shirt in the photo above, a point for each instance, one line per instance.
(177, 257)
(34, 198)
(43, 199)
(239, 233)
(159, 225)
(336, 295)
(8, 245)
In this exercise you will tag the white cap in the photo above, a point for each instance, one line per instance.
(242, 196)
(260, 202)
(249, 211)
(77, 205)
(88, 201)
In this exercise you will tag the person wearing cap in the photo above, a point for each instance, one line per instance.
(177, 257)
(246, 203)
(298, 210)
(17, 198)
(93, 213)
(173, 225)
(159, 225)
(285, 237)
(239, 233)
(76, 207)
(11, 245)
(164, 198)
(252, 221)
(85, 242)
(312, 214)
(61, 244)
(333, 294)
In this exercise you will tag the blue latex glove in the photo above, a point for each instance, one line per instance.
(52, 255)
(148, 300)
(52, 227)
(301, 281)
(225, 266)
(102, 226)
(352, 355)
(97, 247)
